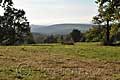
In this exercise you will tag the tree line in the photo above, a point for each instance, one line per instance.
(94, 34)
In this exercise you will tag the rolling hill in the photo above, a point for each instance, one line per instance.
(59, 28)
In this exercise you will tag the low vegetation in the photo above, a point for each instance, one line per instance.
(81, 61)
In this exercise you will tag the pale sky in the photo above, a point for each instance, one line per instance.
(44, 12)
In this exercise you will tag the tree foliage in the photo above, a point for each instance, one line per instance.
(76, 35)
(109, 13)
(14, 26)
(95, 34)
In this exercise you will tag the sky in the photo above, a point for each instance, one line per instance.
(45, 12)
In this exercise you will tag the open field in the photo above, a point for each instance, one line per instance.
(82, 61)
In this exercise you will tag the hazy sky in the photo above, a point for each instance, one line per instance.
(58, 11)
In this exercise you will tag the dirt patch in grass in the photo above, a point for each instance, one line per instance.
(60, 62)
(45, 66)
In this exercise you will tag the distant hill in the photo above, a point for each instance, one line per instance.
(59, 28)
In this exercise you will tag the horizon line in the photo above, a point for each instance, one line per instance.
(59, 23)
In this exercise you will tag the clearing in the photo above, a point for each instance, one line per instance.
(82, 61)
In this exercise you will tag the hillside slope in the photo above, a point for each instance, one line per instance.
(59, 28)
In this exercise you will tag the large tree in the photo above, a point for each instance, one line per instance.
(109, 13)
(4, 3)
(14, 27)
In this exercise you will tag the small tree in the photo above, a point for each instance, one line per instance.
(95, 34)
(76, 35)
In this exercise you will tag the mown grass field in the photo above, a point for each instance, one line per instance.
(82, 61)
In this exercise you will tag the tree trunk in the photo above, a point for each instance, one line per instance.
(108, 33)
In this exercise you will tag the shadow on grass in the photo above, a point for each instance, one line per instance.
(41, 45)
(113, 44)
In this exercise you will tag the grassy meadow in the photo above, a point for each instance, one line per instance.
(82, 61)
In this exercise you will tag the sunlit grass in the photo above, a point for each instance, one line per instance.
(88, 56)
